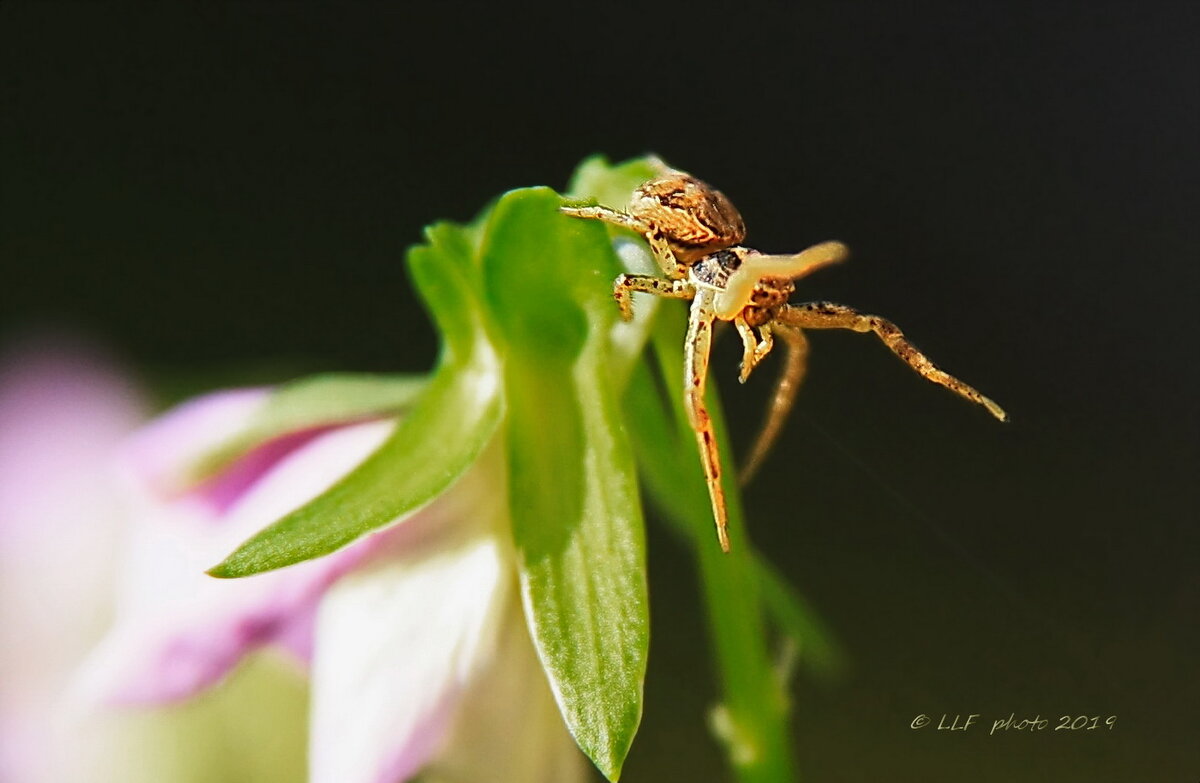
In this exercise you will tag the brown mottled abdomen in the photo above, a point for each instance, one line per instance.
(692, 216)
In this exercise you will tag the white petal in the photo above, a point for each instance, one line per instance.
(400, 639)
(509, 728)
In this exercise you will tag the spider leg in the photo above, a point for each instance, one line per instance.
(755, 347)
(606, 215)
(695, 372)
(826, 315)
(659, 247)
(795, 362)
(625, 285)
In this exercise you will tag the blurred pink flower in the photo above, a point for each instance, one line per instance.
(420, 660)
(177, 630)
(62, 410)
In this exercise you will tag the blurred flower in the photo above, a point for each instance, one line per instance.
(61, 411)
(420, 661)
(64, 408)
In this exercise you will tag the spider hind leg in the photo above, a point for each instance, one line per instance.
(827, 315)
(790, 376)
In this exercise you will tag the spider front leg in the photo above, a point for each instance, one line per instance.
(826, 315)
(794, 364)
(695, 373)
(755, 347)
(662, 252)
(625, 286)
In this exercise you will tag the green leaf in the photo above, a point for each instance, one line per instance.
(319, 401)
(576, 515)
(611, 185)
(429, 450)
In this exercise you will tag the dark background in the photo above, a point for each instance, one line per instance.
(226, 191)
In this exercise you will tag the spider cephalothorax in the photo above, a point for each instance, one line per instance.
(694, 233)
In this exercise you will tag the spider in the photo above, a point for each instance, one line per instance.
(694, 234)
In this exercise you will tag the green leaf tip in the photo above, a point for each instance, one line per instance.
(599, 181)
(430, 448)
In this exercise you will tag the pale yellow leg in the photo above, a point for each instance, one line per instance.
(695, 371)
(625, 286)
(826, 315)
(794, 364)
(755, 347)
(659, 247)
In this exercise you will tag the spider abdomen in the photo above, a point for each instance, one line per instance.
(694, 218)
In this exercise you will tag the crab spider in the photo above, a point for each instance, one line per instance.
(695, 233)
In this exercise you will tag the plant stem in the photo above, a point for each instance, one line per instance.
(752, 720)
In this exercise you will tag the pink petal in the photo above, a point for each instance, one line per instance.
(179, 630)
(62, 410)
(163, 451)
(221, 492)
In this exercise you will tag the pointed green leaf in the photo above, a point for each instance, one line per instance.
(429, 449)
(576, 516)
